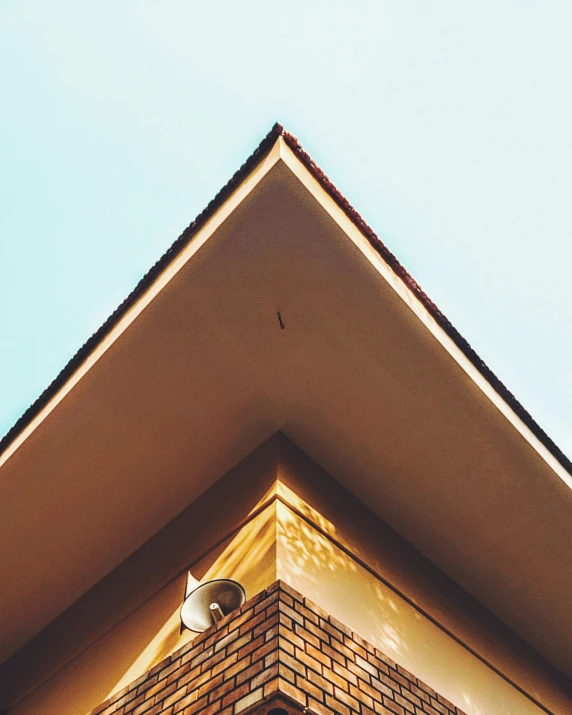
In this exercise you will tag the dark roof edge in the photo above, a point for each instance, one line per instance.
(87, 348)
(253, 160)
(433, 310)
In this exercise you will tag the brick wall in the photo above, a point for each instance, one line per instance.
(278, 644)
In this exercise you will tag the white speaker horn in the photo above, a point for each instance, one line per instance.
(207, 603)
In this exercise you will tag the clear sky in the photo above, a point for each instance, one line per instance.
(447, 123)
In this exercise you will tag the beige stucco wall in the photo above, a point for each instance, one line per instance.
(152, 632)
(277, 515)
(316, 567)
(130, 620)
(422, 591)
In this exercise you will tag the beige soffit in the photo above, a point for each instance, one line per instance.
(195, 370)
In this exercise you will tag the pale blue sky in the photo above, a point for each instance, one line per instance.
(446, 123)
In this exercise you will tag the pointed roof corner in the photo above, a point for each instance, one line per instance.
(294, 317)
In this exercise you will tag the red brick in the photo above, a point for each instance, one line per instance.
(242, 618)
(447, 703)
(226, 640)
(378, 663)
(285, 645)
(305, 634)
(250, 647)
(208, 685)
(185, 702)
(265, 675)
(406, 673)
(381, 687)
(289, 690)
(148, 709)
(201, 657)
(293, 638)
(347, 699)
(386, 659)
(217, 693)
(438, 706)
(336, 679)
(321, 682)
(251, 699)
(309, 688)
(278, 642)
(189, 677)
(290, 613)
(239, 643)
(342, 649)
(356, 647)
(252, 622)
(428, 710)
(213, 660)
(266, 601)
(255, 600)
(271, 658)
(332, 630)
(306, 613)
(291, 663)
(413, 698)
(147, 684)
(286, 673)
(390, 683)
(337, 706)
(308, 660)
(318, 655)
(406, 704)
(318, 632)
(264, 649)
(420, 694)
(363, 643)
(165, 692)
(400, 678)
(345, 673)
(124, 699)
(218, 633)
(173, 674)
(165, 667)
(316, 609)
(136, 702)
(273, 608)
(272, 633)
(426, 689)
(236, 694)
(340, 626)
(249, 672)
(362, 696)
(366, 665)
(393, 706)
(267, 624)
(223, 665)
(316, 708)
(285, 588)
(237, 667)
(204, 709)
(174, 698)
(380, 710)
(196, 682)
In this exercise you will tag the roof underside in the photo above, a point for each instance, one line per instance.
(194, 371)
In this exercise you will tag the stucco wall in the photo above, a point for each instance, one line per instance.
(277, 515)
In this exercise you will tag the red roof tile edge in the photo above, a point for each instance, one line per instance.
(253, 160)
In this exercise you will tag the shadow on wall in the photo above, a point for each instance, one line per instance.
(152, 632)
(314, 565)
(254, 544)
(279, 543)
